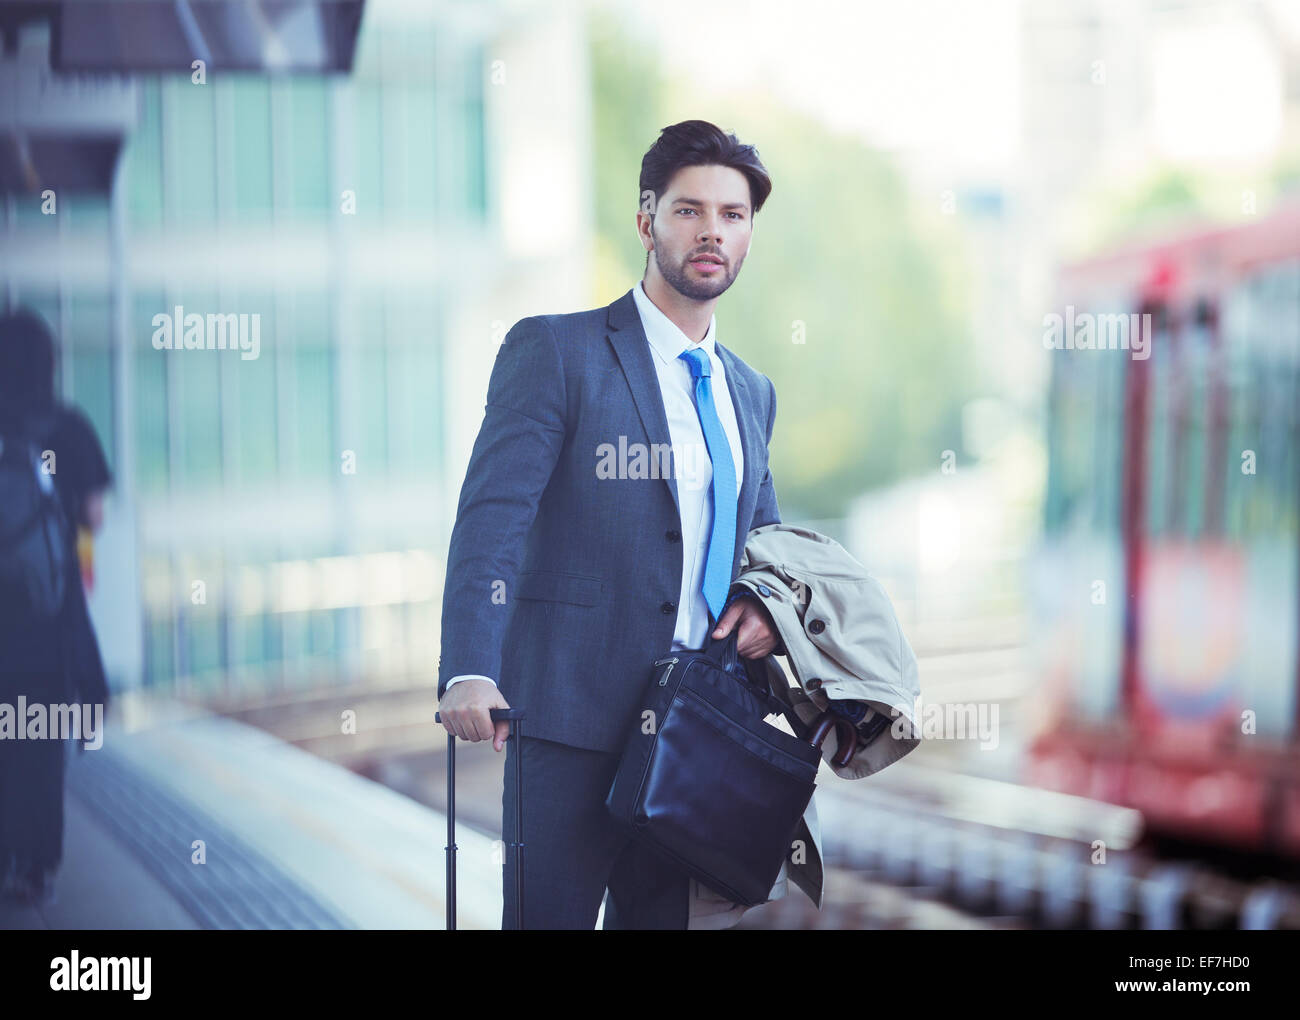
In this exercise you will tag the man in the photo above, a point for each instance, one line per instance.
(577, 558)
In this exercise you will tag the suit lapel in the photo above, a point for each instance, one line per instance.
(627, 336)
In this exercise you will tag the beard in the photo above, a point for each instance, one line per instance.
(698, 288)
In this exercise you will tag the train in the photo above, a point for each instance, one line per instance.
(1167, 580)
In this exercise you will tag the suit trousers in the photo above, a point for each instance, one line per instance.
(574, 851)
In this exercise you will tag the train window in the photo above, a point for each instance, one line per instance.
(1193, 426)
(1108, 464)
(1264, 373)
(1160, 455)
(1054, 509)
(1085, 439)
(1240, 311)
(1262, 481)
(1178, 426)
(1063, 487)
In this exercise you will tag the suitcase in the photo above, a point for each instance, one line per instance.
(514, 716)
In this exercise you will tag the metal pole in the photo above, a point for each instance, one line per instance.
(515, 726)
(515, 715)
(451, 832)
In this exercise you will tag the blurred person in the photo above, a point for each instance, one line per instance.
(601, 574)
(48, 657)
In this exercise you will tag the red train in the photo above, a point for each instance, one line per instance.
(1170, 572)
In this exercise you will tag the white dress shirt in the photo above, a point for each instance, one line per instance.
(692, 465)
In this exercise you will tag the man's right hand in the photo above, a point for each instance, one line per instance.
(464, 710)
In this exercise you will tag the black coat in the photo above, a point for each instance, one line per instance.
(50, 661)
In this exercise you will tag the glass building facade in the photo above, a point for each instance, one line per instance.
(275, 520)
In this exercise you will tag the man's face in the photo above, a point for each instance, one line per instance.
(705, 212)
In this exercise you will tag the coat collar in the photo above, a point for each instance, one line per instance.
(665, 337)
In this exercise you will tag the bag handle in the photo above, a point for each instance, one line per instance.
(723, 652)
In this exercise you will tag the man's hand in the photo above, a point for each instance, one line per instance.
(756, 634)
(464, 710)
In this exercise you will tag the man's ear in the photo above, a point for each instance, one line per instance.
(650, 229)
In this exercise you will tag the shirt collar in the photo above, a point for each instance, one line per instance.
(665, 338)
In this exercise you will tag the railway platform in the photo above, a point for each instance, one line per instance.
(203, 822)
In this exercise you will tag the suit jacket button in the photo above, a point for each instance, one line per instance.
(669, 607)
(673, 535)
(817, 626)
(764, 590)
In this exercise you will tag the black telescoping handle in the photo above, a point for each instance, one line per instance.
(515, 717)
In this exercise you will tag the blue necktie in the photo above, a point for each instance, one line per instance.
(722, 537)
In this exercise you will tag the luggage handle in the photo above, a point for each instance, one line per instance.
(515, 717)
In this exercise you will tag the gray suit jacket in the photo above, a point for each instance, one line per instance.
(562, 586)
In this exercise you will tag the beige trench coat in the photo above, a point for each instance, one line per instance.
(842, 642)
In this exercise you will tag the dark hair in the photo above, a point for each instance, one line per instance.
(699, 143)
(26, 362)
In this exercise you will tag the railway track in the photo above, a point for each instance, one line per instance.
(924, 843)
(996, 857)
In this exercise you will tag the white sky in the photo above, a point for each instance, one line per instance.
(941, 78)
(923, 74)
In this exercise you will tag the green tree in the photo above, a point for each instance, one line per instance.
(841, 258)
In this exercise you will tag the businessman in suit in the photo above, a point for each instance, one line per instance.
(583, 549)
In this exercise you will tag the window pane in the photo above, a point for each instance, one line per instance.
(28, 214)
(421, 182)
(414, 378)
(322, 638)
(368, 133)
(144, 158)
(158, 665)
(252, 127)
(309, 421)
(371, 382)
(308, 164)
(314, 454)
(256, 436)
(86, 213)
(250, 639)
(151, 435)
(88, 346)
(92, 392)
(203, 644)
(190, 138)
(475, 143)
(197, 374)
